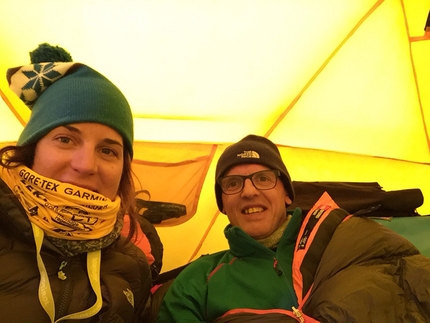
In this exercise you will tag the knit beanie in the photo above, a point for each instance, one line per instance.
(60, 93)
(252, 149)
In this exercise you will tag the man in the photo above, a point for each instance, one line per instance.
(281, 267)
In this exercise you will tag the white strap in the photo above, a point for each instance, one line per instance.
(45, 293)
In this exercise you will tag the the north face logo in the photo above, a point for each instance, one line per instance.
(249, 154)
(130, 297)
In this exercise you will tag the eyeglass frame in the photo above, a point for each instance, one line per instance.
(250, 176)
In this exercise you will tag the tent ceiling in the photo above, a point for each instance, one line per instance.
(340, 86)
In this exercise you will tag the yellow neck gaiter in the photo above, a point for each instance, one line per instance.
(62, 210)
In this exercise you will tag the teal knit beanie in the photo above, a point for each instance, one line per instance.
(60, 93)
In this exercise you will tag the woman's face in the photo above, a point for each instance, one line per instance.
(89, 155)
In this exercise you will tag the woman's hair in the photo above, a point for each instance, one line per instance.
(13, 156)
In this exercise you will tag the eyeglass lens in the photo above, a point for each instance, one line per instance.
(262, 180)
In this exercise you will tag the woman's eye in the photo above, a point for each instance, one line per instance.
(108, 151)
(64, 140)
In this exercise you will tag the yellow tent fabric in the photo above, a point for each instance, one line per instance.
(341, 86)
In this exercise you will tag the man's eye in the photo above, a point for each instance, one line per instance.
(263, 178)
(231, 184)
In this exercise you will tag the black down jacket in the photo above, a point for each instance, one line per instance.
(124, 275)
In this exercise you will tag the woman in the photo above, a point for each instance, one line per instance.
(64, 189)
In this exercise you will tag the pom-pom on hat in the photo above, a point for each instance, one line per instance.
(60, 93)
(252, 149)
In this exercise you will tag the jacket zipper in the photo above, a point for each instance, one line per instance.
(276, 267)
(63, 274)
(298, 314)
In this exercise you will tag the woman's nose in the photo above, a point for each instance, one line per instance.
(84, 161)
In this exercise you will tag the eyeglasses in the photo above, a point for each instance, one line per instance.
(263, 180)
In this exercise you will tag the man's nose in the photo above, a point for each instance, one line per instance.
(249, 189)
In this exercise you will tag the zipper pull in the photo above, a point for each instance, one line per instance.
(61, 275)
(298, 314)
(275, 266)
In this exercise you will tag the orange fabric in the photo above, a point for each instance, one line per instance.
(295, 313)
(322, 206)
(140, 239)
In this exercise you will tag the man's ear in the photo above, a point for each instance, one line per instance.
(288, 201)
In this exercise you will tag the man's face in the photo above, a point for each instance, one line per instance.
(257, 212)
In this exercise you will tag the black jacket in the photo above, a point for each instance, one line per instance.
(124, 275)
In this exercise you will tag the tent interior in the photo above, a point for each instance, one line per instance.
(340, 86)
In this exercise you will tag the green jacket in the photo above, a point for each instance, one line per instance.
(345, 269)
(214, 284)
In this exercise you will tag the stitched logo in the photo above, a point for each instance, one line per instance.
(249, 154)
(312, 222)
(130, 297)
